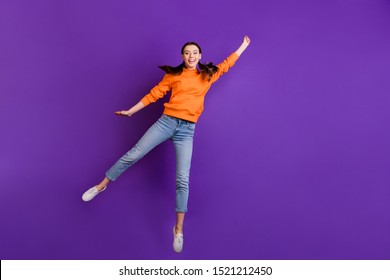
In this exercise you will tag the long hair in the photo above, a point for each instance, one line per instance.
(207, 70)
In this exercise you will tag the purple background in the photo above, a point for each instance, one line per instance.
(291, 156)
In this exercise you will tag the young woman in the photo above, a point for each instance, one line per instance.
(188, 87)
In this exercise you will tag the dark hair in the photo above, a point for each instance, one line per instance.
(207, 70)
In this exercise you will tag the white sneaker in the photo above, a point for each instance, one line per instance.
(178, 241)
(91, 193)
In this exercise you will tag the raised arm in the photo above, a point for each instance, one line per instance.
(230, 60)
(245, 43)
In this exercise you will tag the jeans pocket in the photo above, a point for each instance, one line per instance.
(165, 117)
(190, 125)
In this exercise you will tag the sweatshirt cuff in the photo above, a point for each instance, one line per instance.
(234, 56)
(145, 101)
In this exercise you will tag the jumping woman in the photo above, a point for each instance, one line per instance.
(188, 84)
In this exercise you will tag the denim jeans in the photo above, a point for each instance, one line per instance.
(181, 132)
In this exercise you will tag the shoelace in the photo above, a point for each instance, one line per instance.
(179, 238)
(93, 191)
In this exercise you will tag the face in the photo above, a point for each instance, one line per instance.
(191, 56)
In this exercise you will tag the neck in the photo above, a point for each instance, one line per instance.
(191, 69)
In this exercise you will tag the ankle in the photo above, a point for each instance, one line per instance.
(178, 230)
(100, 187)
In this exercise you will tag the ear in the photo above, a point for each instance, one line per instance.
(200, 56)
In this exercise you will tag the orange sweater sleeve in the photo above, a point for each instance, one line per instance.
(159, 91)
(224, 66)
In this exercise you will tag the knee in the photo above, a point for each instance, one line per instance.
(133, 155)
(182, 178)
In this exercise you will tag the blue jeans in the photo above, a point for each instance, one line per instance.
(181, 132)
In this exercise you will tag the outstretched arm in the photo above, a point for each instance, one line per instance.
(245, 43)
(156, 93)
(132, 110)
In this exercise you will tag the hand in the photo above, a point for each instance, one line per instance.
(246, 41)
(123, 113)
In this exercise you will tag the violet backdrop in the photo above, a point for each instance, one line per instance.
(291, 157)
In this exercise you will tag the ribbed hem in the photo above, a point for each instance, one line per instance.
(180, 115)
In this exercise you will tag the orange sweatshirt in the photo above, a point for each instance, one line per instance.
(188, 91)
